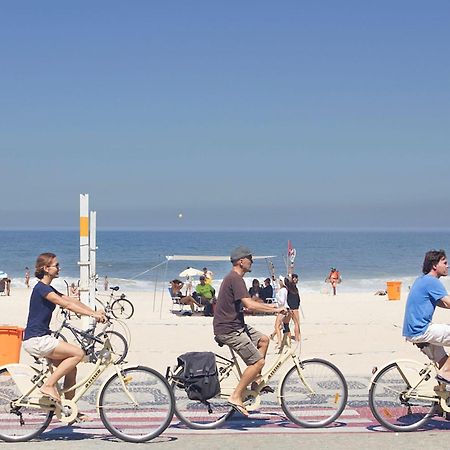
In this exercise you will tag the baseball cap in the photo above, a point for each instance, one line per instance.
(240, 252)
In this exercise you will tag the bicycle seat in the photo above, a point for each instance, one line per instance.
(115, 288)
(421, 345)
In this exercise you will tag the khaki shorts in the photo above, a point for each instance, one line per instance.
(243, 344)
(41, 346)
(437, 336)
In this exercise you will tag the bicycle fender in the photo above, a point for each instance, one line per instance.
(109, 378)
(22, 375)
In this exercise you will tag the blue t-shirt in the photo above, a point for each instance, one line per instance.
(40, 312)
(422, 300)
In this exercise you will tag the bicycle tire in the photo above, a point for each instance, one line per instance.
(390, 406)
(118, 343)
(136, 422)
(323, 405)
(122, 308)
(197, 415)
(35, 420)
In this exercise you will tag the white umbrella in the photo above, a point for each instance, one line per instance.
(3, 274)
(191, 272)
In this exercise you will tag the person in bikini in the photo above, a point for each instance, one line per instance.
(38, 339)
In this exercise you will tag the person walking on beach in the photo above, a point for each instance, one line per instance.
(27, 277)
(230, 328)
(426, 293)
(334, 278)
(106, 283)
(38, 340)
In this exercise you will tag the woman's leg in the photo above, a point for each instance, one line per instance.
(296, 319)
(278, 321)
(67, 357)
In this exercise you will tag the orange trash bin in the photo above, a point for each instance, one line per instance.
(394, 289)
(10, 344)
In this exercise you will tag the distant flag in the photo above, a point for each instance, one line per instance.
(292, 253)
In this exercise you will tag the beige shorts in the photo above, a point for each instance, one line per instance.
(243, 344)
(41, 346)
(438, 336)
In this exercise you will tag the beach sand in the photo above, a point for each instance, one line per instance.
(354, 331)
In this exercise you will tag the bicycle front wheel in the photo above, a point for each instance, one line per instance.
(391, 403)
(122, 308)
(316, 396)
(19, 424)
(198, 415)
(138, 405)
(118, 343)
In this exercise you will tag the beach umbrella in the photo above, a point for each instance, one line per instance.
(191, 272)
(3, 274)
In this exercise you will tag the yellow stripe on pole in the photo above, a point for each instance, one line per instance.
(84, 226)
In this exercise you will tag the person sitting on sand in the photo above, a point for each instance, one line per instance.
(176, 286)
(426, 293)
(38, 339)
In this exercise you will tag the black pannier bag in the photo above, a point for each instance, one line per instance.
(199, 375)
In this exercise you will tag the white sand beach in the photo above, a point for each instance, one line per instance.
(354, 331)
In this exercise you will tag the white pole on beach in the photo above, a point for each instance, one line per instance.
(84, 253)
(92, 258)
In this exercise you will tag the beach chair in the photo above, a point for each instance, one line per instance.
(2, 287)
(176, 301)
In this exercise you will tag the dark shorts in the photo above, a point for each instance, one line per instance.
(245, 345)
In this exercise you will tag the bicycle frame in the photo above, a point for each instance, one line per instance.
(287, 352)
(422, 381)
(31, 396)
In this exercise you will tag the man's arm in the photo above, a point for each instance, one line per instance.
(254, 305)
(444, 302)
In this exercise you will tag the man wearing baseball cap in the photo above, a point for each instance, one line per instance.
(230, 328)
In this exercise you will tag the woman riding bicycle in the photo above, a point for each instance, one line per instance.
(38, 340)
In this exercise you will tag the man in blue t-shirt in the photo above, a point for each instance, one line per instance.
(426, 293)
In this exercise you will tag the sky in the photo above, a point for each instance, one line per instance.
(237, 114)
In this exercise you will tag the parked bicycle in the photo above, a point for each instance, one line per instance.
(313, 393)
(404, 395)
(135, 403)
(93, 343)
(120, 308)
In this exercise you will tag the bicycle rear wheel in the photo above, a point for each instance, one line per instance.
(392, 406)
(150, 413)
(22, 423)
(122, 308)
(198, 415)
(118, 343)
(315, 397)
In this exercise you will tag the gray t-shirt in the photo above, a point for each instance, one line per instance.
(228, 314)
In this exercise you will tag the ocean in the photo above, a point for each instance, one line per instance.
(366, 260)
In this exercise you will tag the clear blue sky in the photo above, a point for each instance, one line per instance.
(239, 114)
